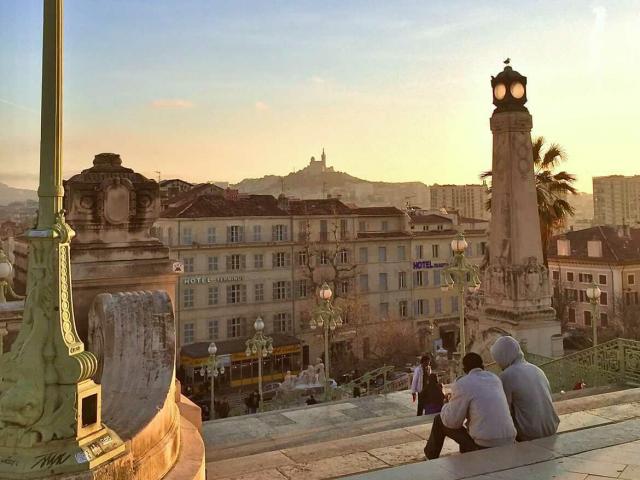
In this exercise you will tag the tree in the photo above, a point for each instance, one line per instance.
(562, 300)
(552, 190)
(627, 318)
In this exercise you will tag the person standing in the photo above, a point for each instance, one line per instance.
(419, 384)
(527, 390)
(434, 396)
(479, 399)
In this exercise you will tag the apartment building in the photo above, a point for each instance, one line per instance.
(616, 200)
(469, 200)
(607, 256)
(250, 255)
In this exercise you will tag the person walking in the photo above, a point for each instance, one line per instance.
(224, 408)
(479, 399)
(434, 396)
(419, 385)
(527, 390)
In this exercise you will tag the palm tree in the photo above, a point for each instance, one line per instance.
(552, 190)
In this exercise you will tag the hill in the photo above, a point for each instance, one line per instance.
(10, 194)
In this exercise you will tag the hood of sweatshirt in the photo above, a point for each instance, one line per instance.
(505, 351)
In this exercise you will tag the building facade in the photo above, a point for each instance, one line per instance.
(246, 256)
(616, 200)
(469, 200)
(603, 255)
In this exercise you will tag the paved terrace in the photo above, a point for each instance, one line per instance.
(372, 434)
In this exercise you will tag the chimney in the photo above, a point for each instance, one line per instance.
(564, 246)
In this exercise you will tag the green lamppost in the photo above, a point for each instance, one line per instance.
(213, 370)
(48, 401)
(593, 294)
(328, 316)
(261, 346)
(461, 275)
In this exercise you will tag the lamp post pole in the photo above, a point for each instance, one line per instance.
(593, 294)
(462, 275)
(213, 370)
(328, 317)
(261, 346)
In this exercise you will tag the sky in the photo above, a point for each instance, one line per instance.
(394, 91)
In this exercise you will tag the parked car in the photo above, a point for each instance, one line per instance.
(269, 390)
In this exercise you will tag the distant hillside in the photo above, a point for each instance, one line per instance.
(9, 194)
(319, 181)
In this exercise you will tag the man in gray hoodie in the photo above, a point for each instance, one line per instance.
(527, 390)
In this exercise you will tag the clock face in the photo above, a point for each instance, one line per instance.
(517, 90)
(500, 91)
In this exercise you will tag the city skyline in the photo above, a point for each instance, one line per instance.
(390, 91)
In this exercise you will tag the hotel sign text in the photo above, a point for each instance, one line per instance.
(205, 279)
(422, 264)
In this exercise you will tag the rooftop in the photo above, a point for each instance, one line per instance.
(430, 219)
(205, 206)
(617, 247)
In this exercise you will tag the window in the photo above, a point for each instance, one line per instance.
(385, 226)
(435, 251)
(421, 278)
(583, 296)
(212, 264)
(454, 304)
(437, 306)
(362, 226)
(282, 322)
(257, 233)
(213, 329)
(363, 255)
(236, 293)
(481, 248)
(324, 235)
(187, 236)
(382, 281)
(189, 332)
(555, 274)
(363, 283)
(572, 315)
(280, 233)
(384, 310)
(569, 276)
(258, 292)
(418, 307)
(587, 317)
(403, 309)
(324, 257)
(343, 229)
(402, 253)
(604, 320)
(585, 278)
(402, 279)
(236, 262)
(382, 254)
(344, 287)
(236, 327)
(211, 235)
(302, 258)
(603, 298)
(602, 279)
(235, 234)
(258, 261)
(303, 288)
(188, 299)
(188, 265)
(631, 279)
(436, 277)
(213, 295)
(419, 252)
(344, 256)
(281, 259)
(281, 290)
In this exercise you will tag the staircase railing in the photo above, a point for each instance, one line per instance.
(614, 362)
(347, 388)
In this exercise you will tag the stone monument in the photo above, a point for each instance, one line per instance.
(517, 297)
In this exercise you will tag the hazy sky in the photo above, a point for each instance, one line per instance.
(394, 90)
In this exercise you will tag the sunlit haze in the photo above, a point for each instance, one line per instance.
(395, 91)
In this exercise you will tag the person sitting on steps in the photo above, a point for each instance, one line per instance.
(478, 398)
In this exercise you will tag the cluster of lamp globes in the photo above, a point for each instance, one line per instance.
(5, 266)
(593, 293)
(267, 345)
(318, 320)
(516, 89)
(219, 368)
(458, 246)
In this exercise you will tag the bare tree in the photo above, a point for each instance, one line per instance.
(562, 300)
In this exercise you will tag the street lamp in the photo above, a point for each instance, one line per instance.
(6, 292)
(212, 370)
(461, 275)
(593, 294)
(329, 317)
(261, 346)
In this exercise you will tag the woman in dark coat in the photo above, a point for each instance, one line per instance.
(435, 396)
